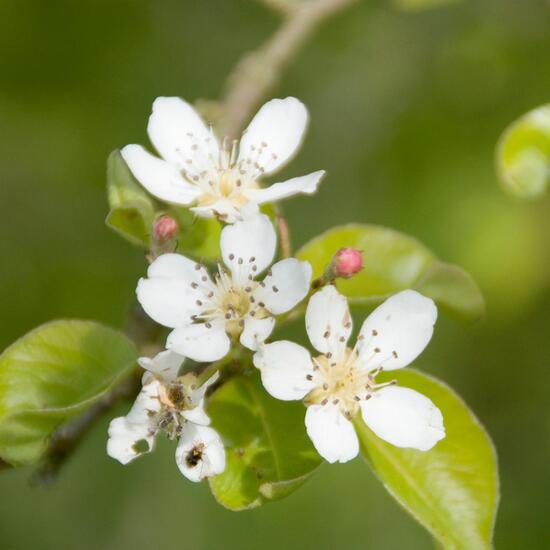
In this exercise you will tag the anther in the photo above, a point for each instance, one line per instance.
(275, 289)
(231, 256)
(309, 377)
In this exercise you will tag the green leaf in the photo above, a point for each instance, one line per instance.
(132, 210)
(419, 5)
(523, 155)
(392, 262)
(197, 237)
(453, 489)
(269, 454)
(52, 373)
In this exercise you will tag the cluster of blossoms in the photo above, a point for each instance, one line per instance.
(209, 313)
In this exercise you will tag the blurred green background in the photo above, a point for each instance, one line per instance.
(406, 109)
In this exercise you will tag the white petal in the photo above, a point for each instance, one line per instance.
(222, 208)
(404, 418)
(209, 457)
(179, 134)
(248, 246)
(332, 433)
(303, 184)
(125, 440)
(146, 404)
(256, 331)
(285, 368)
(175, 266)
(279, 125)
(197, 396)
(168, 296)
(200, 343)
(285, 286)
(127, 434)
(328, 321)
(169, 302)
(165, 364)
(397, 331)
(197, 415)
(157, 176)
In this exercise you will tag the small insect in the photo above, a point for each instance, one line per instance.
(194, 456)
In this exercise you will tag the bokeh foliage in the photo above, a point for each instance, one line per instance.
(407, 109)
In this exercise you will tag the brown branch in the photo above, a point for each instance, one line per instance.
(67, 438)
(284, 235)
(259, 71)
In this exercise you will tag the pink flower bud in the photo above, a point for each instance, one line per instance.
(165, 229)
(347, 262)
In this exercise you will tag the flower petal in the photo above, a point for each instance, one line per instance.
(170, 294)
(179, 135)
(404, 418)
(248, 246)
(157, 176)
(328, 321)
(200, 453)
(274, 135)
(200, 343)
(197, 415)
(256, 331)
(169, 302)
(134, 434)
(285, 368)
(198, 395)
(127, 440)
(397, 331)
(286, 284)
(332, 434)
(165, 364)
(303, 184)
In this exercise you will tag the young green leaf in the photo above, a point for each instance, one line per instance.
(52, 373)
(132, 210)
(392, 262)
(523, 155)
(452, 489)
(269, 454)
(198, 237)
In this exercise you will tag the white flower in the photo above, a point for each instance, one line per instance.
(198, 170)
(174, 405)
(341, 381)
(205, 312)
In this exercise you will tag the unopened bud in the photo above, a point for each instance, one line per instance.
(165, 229)
(347, 262)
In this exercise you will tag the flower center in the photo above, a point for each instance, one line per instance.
(234, 306)
(340, 382)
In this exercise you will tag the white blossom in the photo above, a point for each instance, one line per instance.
(175, 405)
(216, 177)
(206, 312)
(340, 382)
